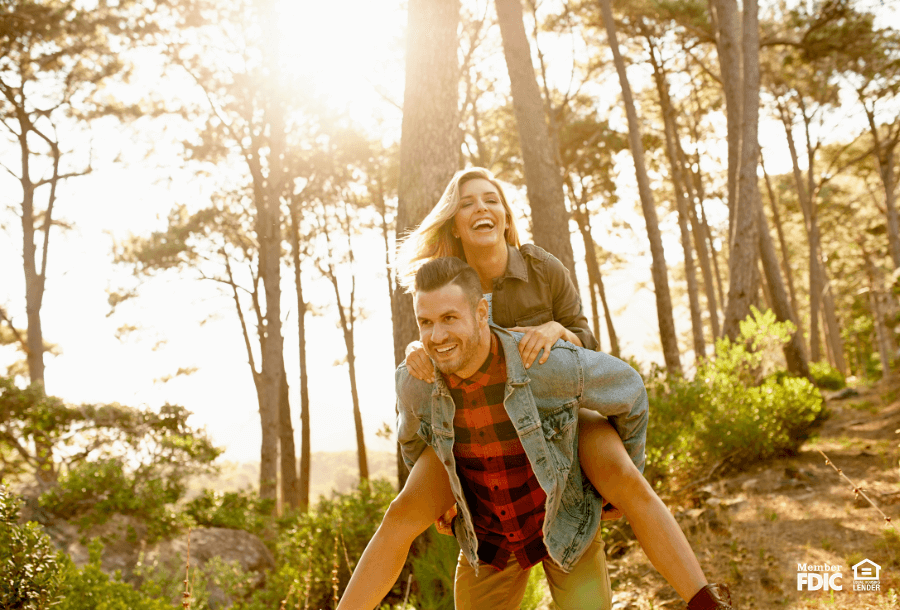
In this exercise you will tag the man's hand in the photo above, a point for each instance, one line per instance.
(539, 338)
(418, 363)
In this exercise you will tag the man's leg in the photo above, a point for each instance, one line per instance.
(492, 589)
(425, 497)
(587, 586)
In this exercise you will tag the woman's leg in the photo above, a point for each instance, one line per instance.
(425, 497)
(608, 467)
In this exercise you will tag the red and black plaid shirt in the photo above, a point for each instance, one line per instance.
(505, 498)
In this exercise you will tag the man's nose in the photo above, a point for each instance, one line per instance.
(438, 333)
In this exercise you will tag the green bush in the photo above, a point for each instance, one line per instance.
(92, 491)
(89, 588)
(739, 408)
(31, 570)
(310, 545)
(242, 510)
(825, 376)
(434, 569)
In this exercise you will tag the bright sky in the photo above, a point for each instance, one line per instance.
(342, 47)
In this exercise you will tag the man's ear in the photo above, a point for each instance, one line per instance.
(481, 311)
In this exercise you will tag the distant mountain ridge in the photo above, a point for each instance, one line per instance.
(331, 471)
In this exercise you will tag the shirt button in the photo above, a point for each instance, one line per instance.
(446, 425)
(502, 513)
(496, 487)
(447, 462)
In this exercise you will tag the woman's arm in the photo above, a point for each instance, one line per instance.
(425, 497)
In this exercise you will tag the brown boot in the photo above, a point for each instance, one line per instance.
(711, 597)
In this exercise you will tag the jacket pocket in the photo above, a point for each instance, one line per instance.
(426, 433)
(536, 318)
(559, 432)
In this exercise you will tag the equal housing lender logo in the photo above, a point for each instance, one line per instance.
(827, 577)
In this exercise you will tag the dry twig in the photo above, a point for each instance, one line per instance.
(856, 489)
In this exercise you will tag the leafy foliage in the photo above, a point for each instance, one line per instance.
(236, 510)
(31, 570)
(434, 569)
(339, 527)
(738, 409)
(109, 458)
(90, 588)
(826, 376)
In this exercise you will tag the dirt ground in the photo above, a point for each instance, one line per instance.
(751, 530)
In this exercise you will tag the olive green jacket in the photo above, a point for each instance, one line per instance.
(535, 289)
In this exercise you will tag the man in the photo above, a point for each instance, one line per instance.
(500, 442)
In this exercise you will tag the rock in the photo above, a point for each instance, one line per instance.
(231, 546)
(842, 394)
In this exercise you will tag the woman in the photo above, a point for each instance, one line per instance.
(530, 292)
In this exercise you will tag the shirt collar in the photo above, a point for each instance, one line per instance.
(515, 265)
(480, 378)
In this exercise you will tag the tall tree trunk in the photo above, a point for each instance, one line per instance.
(881, 332)
(785, 253)
(305, 452)
(793, 351)
(742, 263)
(543, 179)
(700, 243)
(680, 187)
(660, 272)
(595, 277)
(727, 31)
(270, 187)
(886, 159)
(290, 490)
(430, 137)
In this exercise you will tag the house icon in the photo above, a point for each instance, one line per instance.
(866, 570)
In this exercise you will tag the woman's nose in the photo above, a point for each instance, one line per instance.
(480, 204)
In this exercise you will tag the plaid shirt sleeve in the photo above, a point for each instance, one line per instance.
(614, 389)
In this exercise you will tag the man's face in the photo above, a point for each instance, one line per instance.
(448, 329)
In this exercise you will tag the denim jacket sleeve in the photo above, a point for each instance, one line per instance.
(614, 389)
(408, 421)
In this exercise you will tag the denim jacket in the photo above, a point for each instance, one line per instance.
(542, 403)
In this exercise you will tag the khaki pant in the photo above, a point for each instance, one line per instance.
(586, 587)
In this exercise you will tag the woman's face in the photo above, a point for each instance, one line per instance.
(481, 218)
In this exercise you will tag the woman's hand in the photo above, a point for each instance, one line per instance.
(418, 363)
(539, 338)
(444, 524)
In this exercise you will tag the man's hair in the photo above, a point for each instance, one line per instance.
(440, 272)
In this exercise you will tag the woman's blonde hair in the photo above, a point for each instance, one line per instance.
(433, 238)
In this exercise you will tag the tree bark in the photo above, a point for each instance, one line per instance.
(885, 157)
(659, 271)
(269, 189)
(305, 452)
(742, 263)
(430, 137)
(680, 187)
(595, 277)
(543, 179)
(727, 30)
(793, 350)
(785, 253)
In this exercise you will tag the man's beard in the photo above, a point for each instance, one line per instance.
(467, 350)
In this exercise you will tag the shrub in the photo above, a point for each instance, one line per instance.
(434, 569)
(825, 376)
(311, 544)
(92, 589)
(242, 510)
(31, 570)
(739, 408)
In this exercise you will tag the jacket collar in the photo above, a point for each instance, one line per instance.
(515, 369)
(515, 265)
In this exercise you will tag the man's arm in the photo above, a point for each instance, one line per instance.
(614, 389)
